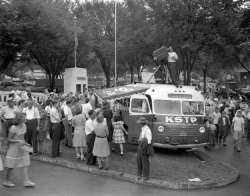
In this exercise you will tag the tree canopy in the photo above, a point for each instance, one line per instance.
(206, 34)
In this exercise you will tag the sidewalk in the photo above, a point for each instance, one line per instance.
(169, 170)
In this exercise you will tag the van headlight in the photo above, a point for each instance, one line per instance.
(202, 129)
(160, 129)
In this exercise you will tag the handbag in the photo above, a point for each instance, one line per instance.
(27, 148)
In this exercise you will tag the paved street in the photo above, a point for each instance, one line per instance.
(53, 180)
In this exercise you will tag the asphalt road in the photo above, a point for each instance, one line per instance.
(53, 180)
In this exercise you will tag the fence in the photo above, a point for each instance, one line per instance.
(4, 95)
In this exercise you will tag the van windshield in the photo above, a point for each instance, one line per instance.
(192, 108)
(167, 107)
(174, 107)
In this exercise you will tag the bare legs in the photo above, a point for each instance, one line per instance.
(121, 147)
(106, 161)
(25, 172)
(9, 173)
(80, 152)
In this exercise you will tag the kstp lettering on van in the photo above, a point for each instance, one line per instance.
(181, 120)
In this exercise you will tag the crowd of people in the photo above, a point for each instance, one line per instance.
(222, 116)
(75, 121)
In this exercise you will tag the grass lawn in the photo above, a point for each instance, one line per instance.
(167, 165)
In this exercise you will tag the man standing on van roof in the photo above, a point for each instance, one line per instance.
(172, 58)
(143, 152)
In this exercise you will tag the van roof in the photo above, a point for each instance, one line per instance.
(162, 92)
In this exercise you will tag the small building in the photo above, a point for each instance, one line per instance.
(75, 80)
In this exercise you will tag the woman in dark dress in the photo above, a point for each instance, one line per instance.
(108, 114)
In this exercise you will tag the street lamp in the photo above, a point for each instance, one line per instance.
(115, 41)
(76, 39)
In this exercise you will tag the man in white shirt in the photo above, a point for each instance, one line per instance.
(86, 107)
(8, 113)
(172, 58)
(89, 129)
(32, 123)
(67, 122)
(238, 130)
(143, 152)
(215, 116)
(55, 118)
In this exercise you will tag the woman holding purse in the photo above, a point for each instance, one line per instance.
(16, 155)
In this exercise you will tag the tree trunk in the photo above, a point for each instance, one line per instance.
(107, 79)
(138, 73)
(132, 73)
(204, 80)
(52, 81)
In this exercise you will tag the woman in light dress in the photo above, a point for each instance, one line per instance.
(1, 163)
(101, 146)
(79, 139)
(16, 156)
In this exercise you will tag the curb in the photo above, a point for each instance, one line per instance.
(133, 178)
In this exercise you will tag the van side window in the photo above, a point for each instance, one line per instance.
(140, 106)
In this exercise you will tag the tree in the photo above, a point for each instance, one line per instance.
(48, 33)
(11, 35)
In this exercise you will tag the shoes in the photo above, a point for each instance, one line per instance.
(8, 184)
(113, 150)
(100, 168)
(121, 154)
(238, 151)
(28, 184)
(224, 144)
(107, 168)
(82, 158)
(78, 156)
(60, 152)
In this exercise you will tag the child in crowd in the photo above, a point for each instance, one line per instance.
(119, 130)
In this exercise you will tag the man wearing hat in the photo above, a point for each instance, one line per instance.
(145, 138)
(8, 113)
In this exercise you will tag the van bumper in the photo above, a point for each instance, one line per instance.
(181, 146)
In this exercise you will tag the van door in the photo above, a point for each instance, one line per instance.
(139, 106)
